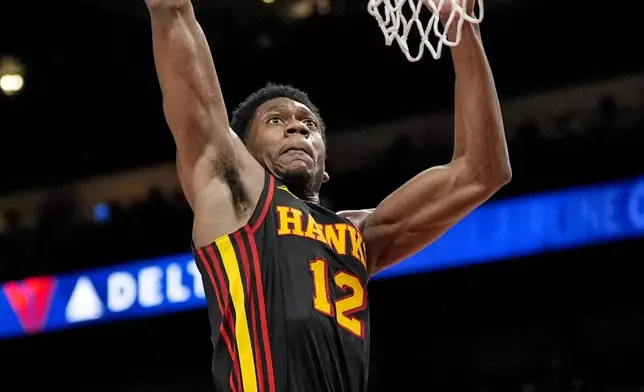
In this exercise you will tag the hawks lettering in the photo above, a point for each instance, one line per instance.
(341, 237)
(290, 221)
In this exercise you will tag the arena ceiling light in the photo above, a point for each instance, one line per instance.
(11, 76)
(303, 9)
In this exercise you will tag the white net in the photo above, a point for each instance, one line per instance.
(391, 18)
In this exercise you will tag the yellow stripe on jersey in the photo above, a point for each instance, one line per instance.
(242, 335)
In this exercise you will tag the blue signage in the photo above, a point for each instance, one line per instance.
(495, 231)
(535, 224)
(49, 303)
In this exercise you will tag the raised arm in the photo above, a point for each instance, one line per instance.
(218, 176)
(192, 100)
(425, 207)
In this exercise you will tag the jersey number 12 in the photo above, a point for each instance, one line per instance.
(343, 308)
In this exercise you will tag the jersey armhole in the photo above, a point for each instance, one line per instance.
(259, 214)
(263, 204)
(365, 266)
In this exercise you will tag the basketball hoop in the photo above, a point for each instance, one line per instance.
(395, 26)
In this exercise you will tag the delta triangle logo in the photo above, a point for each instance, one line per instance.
(31, 300)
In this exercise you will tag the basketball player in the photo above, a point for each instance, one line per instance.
(284, 277)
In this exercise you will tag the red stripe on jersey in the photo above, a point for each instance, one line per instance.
(267, 203)
(262, 306)
(244, 257)
(222, 329)
(228, 315)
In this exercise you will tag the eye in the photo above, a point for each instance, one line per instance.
(275, 120)
(310, 123)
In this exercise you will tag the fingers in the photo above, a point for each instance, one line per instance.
(445, 7)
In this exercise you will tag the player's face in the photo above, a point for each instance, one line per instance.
(286, 139)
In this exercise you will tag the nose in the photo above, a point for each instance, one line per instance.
(295, 127)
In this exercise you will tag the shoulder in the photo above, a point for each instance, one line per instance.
(356, 217)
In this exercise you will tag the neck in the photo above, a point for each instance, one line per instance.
(301, 186)
(303, 192)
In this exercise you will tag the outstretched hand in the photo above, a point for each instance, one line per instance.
(453, 13)
(445, 8)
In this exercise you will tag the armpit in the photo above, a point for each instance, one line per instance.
(238, 193)
(356, 217)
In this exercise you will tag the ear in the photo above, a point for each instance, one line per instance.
(325, 178)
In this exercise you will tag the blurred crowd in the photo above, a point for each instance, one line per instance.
(63, 241)
(595, 147)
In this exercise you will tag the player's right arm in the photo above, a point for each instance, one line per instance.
(220, 179)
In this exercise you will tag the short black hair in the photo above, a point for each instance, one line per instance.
(244, 114)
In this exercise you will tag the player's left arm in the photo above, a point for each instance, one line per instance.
(424, 208)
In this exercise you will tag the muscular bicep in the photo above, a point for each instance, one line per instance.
(193, 104)
(421, 211)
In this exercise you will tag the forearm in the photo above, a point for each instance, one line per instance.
(174, 23)
(479, 135)
(192, 99)
(425, 207)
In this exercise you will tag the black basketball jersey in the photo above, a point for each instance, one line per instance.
(287, 299)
